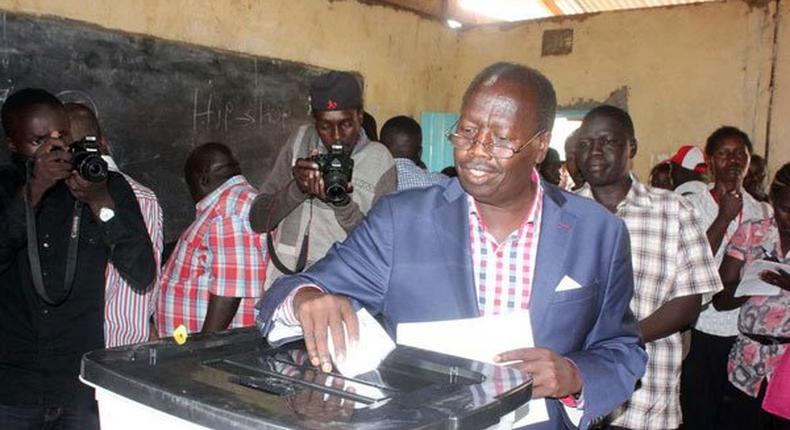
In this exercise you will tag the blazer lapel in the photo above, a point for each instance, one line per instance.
(451, 227)
(556, 227)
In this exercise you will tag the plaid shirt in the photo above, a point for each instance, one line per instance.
(504, 271)
(410, 175)
(127, 312)
(671, 258)
(218, 254)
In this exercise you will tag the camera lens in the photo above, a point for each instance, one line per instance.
(336, 184)
(92, 168)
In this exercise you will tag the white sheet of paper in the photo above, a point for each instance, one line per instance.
(752, 285)
(373, 346)
(478, 339)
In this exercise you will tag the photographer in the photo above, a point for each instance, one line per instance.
(52, 294)
(127, 312)
(294, 200)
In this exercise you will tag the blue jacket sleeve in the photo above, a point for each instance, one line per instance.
(358, 268)
(613, 358)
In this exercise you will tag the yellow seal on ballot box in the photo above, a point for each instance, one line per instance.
(180, 335)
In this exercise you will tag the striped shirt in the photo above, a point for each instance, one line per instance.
(218, 254)
(127, 312)
(504, 271)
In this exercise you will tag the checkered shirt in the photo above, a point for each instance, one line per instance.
(127, 312)
(410, 175)
(494, 284)
(504, 271)
(671, 258)
(218, 254)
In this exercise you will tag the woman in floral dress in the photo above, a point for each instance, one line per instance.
(764, 321)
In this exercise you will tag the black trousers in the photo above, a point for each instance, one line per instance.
(709, 400)
(49, 418)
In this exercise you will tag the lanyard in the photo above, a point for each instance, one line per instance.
(32, 248)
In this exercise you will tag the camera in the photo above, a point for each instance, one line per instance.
(86, 159)
(336, 168)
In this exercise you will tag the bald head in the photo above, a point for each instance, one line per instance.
(403, 137)
(208, 167)
(83, 121)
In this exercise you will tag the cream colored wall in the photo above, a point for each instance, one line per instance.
(779, 152)
(687, 70)
(401, 55)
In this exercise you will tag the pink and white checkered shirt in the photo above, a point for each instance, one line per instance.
(127, 312)
(218, 254)
(504, 271)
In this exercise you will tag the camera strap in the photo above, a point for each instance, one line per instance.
(32, 248)
(301, 262)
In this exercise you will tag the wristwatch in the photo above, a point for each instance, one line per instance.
(106, 214)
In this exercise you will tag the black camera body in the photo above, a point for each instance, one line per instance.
(86, 159)
(336, 168)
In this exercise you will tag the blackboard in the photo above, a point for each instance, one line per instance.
(156, 99)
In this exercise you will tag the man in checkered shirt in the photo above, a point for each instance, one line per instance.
(216, 272)
(673, 264)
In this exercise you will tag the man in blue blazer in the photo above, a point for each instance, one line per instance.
(421, 255)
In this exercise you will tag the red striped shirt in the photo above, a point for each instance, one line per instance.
(127, 312)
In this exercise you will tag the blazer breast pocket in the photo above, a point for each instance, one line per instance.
(583, 293)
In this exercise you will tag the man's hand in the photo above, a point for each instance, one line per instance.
(94, 194)
(318, 311)
(730, 204)
(309, 178)
(781, 278)
(552, 374)
(52, 163)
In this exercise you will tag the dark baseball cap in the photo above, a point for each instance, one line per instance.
(335, 91)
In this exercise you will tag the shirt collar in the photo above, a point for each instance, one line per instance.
(638, 195)
(211, 199)
(531, 215)
(111, 165)
(405, 161)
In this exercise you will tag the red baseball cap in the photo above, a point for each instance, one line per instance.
(690, 157)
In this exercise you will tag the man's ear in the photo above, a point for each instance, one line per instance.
(11, 145)
(360, 116)
(542, 147)
(632, 148)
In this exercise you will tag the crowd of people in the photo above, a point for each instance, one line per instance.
(635, 290)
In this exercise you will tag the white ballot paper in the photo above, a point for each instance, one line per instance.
(373, 346)
(479, 339)
(752, 285)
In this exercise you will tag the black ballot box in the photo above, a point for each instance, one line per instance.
(234, 380)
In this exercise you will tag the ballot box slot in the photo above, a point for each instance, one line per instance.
(435, 372)
(280, 377)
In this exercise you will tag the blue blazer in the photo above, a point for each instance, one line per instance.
(410, 261)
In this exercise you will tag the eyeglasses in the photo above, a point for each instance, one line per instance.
(464, 138)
